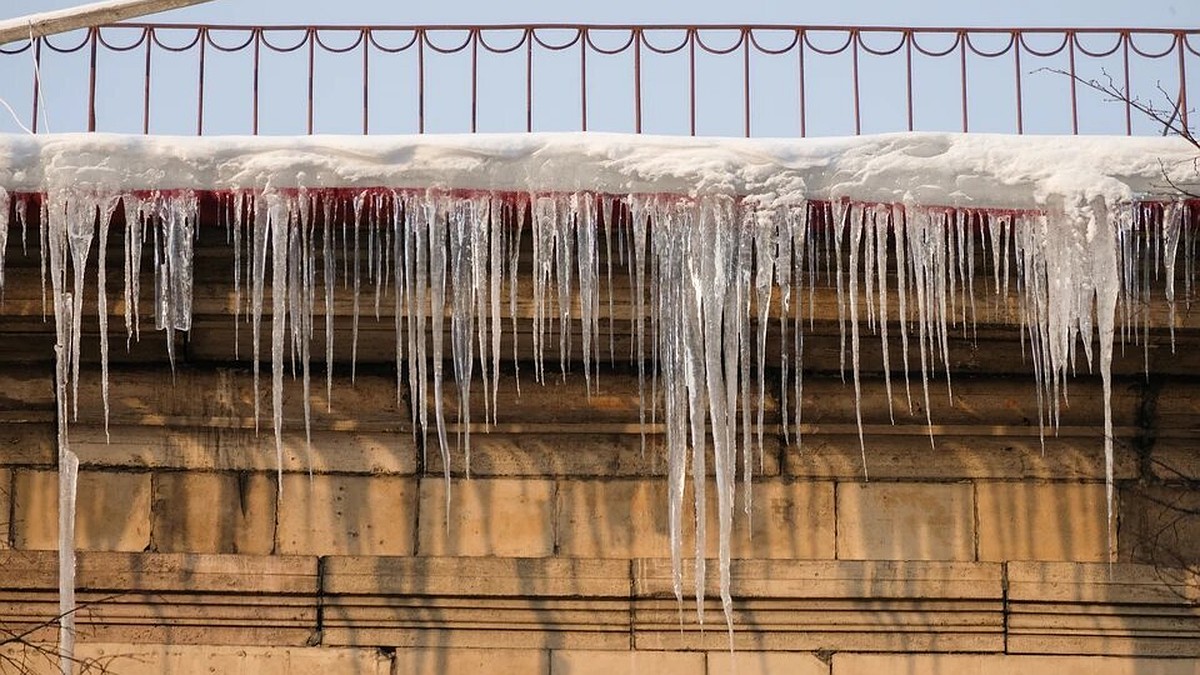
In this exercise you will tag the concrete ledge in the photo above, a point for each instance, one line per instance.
(166, 598)
(440, 603)
(1076, 608)
(477, 602)
(150, 659)
(801, 606)
(1002, 664)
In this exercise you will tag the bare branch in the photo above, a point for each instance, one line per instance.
(1171, 119)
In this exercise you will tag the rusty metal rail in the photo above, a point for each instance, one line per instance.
(1130, 60)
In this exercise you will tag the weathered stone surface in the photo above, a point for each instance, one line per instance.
(5, 507)
(471, 662)
(628, 519)
(1102, 609)
(347, 515)
(766, 663)
(598, 434)
(112, 510)
(487, 517)
(831, 605)
(788, 520)
(143, 659)
(195, 447)
(905, 521)
(571, 451)
(1004, 664)
(583, 662)
(167, 598)
(477, 576)
(214, 512)
(202, 419)
(28, 442)
(1160, 525)
(960, 452)
(614, 519)
(1042, 521)
(483, 602)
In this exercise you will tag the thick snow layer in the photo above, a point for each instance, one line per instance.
(980, 170)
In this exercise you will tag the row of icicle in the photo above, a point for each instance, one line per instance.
(710, 277)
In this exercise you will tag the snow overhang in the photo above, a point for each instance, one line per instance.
(926, 169)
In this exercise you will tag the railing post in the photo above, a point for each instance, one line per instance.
(93, 38)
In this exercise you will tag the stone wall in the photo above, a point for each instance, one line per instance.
(985, 552)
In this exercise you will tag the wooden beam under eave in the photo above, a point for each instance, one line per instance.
(87, 16)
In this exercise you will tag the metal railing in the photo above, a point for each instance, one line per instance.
(748, 80)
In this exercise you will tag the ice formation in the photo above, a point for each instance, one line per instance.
(722, 242)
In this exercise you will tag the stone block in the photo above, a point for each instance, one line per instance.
(790, 520)
(505, 517)
(961, 452)
(112, 510)
(471, 662)
(584, 662)
(1160, 525)
(1002, 664)
(615, 519)
(1042, 521)
(5, 507)
(214, 512)
(905, 521)
(765, 663)
(629, 519)
(347, 515)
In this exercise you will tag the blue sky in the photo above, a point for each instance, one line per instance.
(775, 91)
(1159, 13)
(1165, 13)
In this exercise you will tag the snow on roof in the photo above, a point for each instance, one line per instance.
(936, 169)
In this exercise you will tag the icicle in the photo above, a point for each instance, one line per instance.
(5, 208)
(400, 297)
(133, 266)
(773, 235)
(584, 206)
(328, 279)
(462, 220)
(606, 213)
(856, 216)
(55, 236)
(1172, 221)
(237, 272)
(258, 261)
(359, 200)
(519, 212)
(545, 215)
(81, 215)
(279, 223)
(638, 216)
(898, 220)
(436, 215)
(496, 268)
(880, 263)
(106, 211)
(564, 246)
(302, 266)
